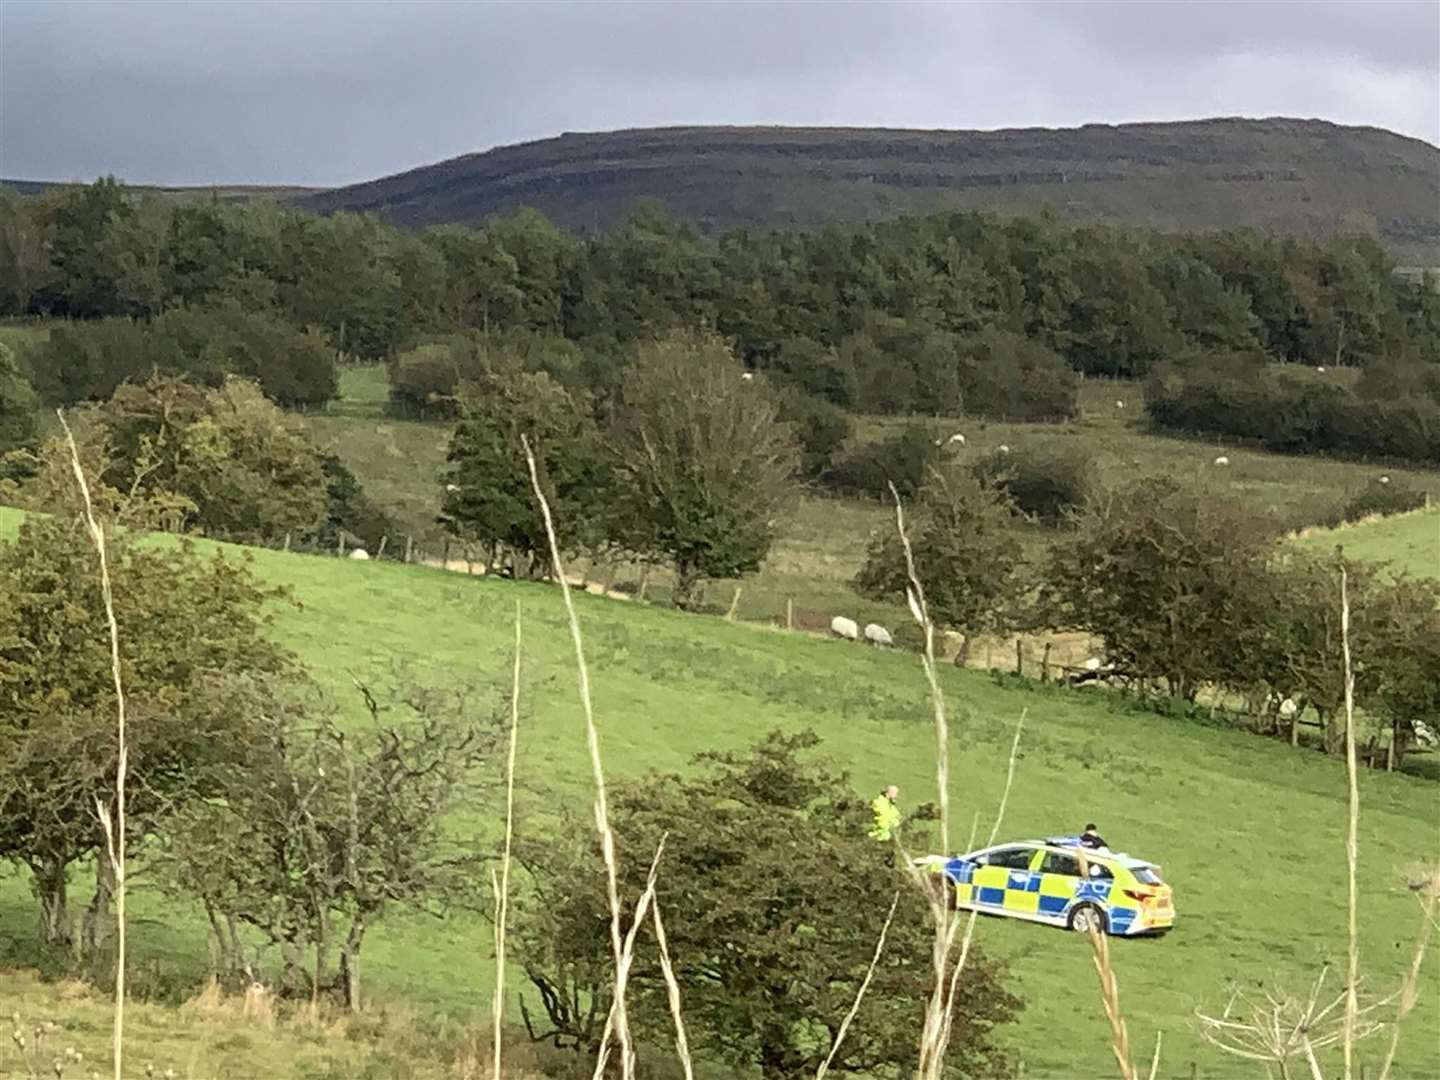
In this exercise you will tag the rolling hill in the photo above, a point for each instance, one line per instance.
(1250, 830)
(1298, 176)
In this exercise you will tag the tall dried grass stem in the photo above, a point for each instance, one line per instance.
(622, 971)
(114, 829)
(592, 739)
(1352, 975)
(859, 994)
(502, 887)
(1409, 989)
(1110, 996)
(672, 992)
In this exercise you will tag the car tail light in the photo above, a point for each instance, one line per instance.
(1140, 897)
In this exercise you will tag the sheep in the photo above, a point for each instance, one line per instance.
(748, 376)
(878, 635)
(1119, 404)
(452, 488)
(1321, 370)
(1093, 664)
(1004, 449)
(359, 553)
(1222, 460)
(956, 438)
(840, 626)
(1384, 479)
(1288, 709)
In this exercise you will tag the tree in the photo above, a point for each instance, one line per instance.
(705, 465)
(246, 468)
(1170, 576)
(189, 629)
(772, 897)
(314, 832)
(966, 556)
(24, 253)
(488, 495)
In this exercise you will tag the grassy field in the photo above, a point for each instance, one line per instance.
(822, 541)
(1250, 831)
(1409, 542)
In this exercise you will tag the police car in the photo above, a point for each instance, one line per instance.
(1057, 881)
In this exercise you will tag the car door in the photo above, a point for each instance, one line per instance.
(1005, 871)
(1058, 877)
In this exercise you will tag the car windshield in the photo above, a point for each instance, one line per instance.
(1146, 875)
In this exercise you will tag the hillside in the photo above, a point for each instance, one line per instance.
(1298, 176)
(224, 192)
(1219, 807)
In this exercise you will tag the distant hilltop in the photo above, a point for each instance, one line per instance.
(1303, 177)
(1307, 177)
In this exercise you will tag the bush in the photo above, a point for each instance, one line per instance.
(89, 361)
(1380, 497)
(1045, 484)
(1239, 396)
(424, 383)
(1010, 377)
(820, 428)
(17, 405)
(904, 460)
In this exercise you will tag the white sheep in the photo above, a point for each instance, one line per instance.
(1384, 479)
(878, 635)
(1119, 404)
(1288, 709)
(1222, 460)
(840, 626)
(748, 376)
(1004, 449)
(956, 438)
(1321, 370)
(1093, 664)
(359, 553)
(452, 488)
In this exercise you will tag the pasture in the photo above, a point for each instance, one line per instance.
(1250, 831)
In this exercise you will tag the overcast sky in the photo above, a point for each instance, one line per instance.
(329, 93)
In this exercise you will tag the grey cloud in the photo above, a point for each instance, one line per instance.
(328, 93)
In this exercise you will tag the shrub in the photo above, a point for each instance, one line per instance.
(1011, 377)
(89, 361)
(17, 404)
(424, 383)
(903, 459)
(820, 427)
(1045, 484)
(1381, 498)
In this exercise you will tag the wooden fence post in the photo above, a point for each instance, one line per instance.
(287, 541)
(1045, 664)
(409, 547)
(381, 553)
(644, 582)
(789, 613)
(1019, 656)
(340, 544)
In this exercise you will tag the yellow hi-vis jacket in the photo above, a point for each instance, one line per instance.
(887, 818)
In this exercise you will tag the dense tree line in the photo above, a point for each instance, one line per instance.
(951, 313)
(1392, 411)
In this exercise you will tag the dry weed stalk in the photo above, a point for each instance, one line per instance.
(1352, 975)
(502, 886)
(1429, 889)
(1110, 996)
(1279, 1027)
(114, 828)
(618, 1016)
(859, 994)
(935, 1034)
(672, 991)
(622, 971)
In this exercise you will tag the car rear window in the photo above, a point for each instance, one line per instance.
(1146, 875)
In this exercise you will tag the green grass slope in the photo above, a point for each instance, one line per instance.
(1409, 542)
(1250, 832)
(1300, 176)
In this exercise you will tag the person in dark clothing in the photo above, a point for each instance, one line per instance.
(1092, 839)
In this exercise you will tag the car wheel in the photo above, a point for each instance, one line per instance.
(1086, 916)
